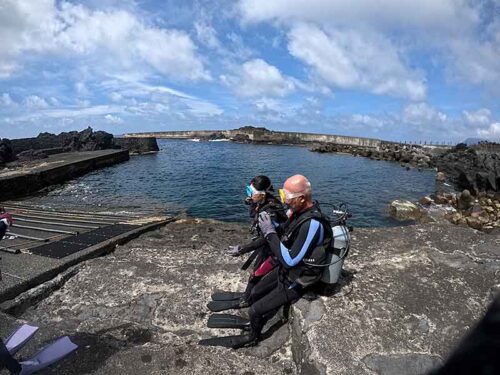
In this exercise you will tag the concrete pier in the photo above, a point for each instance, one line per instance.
(28, 263)
(262, 135)
(18, 181)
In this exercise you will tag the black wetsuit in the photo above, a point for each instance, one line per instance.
(304, 240)
(6, 359)
(3, 229)
(260, 245)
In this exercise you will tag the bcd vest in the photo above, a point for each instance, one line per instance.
(311, 267)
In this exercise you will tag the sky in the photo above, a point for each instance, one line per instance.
(398, 70)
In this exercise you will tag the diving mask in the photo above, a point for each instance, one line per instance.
(250, 190)
(285, 195)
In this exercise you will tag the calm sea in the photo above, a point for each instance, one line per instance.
(207, 179)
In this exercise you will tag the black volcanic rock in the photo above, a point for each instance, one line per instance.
(405, 154)
(86, 140)
(471, 169)
(30, 155)
(139, 145)
(6, 153)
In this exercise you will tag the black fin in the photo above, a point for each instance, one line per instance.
(226, 296)
(228, 321)
(234, 342)
(216, 306)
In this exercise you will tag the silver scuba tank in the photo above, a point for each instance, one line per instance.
(335, 259)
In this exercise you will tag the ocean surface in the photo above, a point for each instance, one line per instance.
(207, 179)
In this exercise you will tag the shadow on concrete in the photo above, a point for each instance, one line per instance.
(328, 290)
(95, 348)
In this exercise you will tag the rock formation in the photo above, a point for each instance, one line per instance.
(6, 153)
(481, 212)
(477, 170)
(86, 140)
(45, 144)
(137, 146)
(406, 155)
(404, 210)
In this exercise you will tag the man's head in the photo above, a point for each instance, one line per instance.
(298, 193)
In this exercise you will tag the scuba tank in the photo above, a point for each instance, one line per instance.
(339, 247)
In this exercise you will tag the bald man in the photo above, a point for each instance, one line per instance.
(301, 253)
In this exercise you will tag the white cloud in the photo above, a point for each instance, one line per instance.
(355, 60)
(466, 33)
(202, 108)
(110, 40)
(35, 102)
(474, 57)
(258, 78)
(429, 14)
(481, 117)
(492, 132)
(113, 119)
(422, 114)
(6, 100)
(54, 101)
(369, 121)
(72, 112)
(269, 105)
(207, 35)
(81, 89)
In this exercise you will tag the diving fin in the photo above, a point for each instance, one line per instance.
(48, 355)
(226, 296)
(19, 338)
(234, 342)
(228, 321)
(216, 306)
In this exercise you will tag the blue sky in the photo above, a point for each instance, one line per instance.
(390, 69)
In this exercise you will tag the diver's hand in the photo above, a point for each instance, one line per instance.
(234, 251)
(265, 224)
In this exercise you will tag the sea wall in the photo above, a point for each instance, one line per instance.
(262, 135)
(58, 169)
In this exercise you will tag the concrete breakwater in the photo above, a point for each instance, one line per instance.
(262, 135)
(406, 155)
(55, 169)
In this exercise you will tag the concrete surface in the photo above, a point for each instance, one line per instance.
(407, 296)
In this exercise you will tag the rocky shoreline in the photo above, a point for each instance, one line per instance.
(406, 298)
(407, 155)
(468, 182)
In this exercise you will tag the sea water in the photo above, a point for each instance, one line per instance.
(207, 179)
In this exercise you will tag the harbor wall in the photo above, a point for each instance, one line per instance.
(26, 182)
(262, 135)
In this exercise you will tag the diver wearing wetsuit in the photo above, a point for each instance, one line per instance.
(6, 360)
(260, 199)
(300, 253)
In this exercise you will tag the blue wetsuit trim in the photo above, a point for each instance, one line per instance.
(321, 235)
(285, 253)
